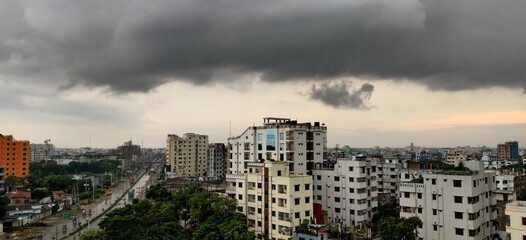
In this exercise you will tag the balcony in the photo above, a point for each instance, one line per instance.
(251, 198)
(284, 217)
(282, 202)
(285, 230)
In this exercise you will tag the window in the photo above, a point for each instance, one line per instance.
(419, 195)
(351, 179)
(259, 185)
(419, 210)
(434, 181)
(260, 136)
(318, 187)
(351, 190)
(240, 197)
(406, 194)
(337, 189)
(307, 187)
(318, 177)
(336, 178)
(434, 212)
(337, 199)
(459, 231)
(457, 183)
(297, 188)
(297, 201)
(337, 210)
(297, 215)
(307, 213)
(458, 215)
(240, 184)
(435, 227)
(523, 221)
(351, 169)
(458, 199)
(434, 196)
(307, 199)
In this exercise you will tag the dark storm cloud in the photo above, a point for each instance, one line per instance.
(339, 96)
(137, 45)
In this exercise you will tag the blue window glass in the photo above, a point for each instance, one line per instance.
(281, 136)
(281, 146)
(271, 140)
(260, 136)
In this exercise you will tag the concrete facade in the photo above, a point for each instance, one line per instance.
(217, 161)
(279, 139)
(14, 156)
(187, 156)
(453, 204)
(516, 226)
(346, 190)
(274, 201)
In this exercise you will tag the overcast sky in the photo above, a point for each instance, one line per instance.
(376, 72)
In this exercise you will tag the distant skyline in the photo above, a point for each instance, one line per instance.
(376, 72)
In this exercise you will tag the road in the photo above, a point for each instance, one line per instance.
(118, 199)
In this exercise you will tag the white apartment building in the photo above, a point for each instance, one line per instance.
(345, 192)
(504, 182)
(217, 161)
(389, 179)
(274, 201)
(187, 156)
(279, 139)
(516, 214)
(453, 204)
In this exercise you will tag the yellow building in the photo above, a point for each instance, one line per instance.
(516, 213)
(187, 156)
(14, 156)
(274, 201)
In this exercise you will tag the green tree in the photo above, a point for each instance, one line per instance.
(158, 192)
(94, 235)
(40, 193)
(399, 228)
(4, 201)
(522, 195)
(12, 181)
(189, 213)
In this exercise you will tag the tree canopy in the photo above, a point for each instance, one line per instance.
(399, 228)
(188, 213)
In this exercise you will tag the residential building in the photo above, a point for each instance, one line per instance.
(389, 179)
(129, 151)
(279, 139)
(217, 161)
(508, 151)
(14, 156)
(274, 200)
(187, 156)
(516, 215)
(41, 152)
(345, 192)
(453, 204)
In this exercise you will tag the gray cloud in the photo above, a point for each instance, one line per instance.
(339, 96)
(135, 46)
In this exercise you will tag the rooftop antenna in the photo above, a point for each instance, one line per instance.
(230, 130)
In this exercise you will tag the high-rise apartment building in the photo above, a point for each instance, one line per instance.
(274, 201)
(453, 204)
(508, 151)
(14, 156)
(217, 161)
(187, 156)
(345, 192)
(279, 139)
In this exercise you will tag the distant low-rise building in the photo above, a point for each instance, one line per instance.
(508, 151)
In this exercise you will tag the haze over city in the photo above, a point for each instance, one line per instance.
(377, 73)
